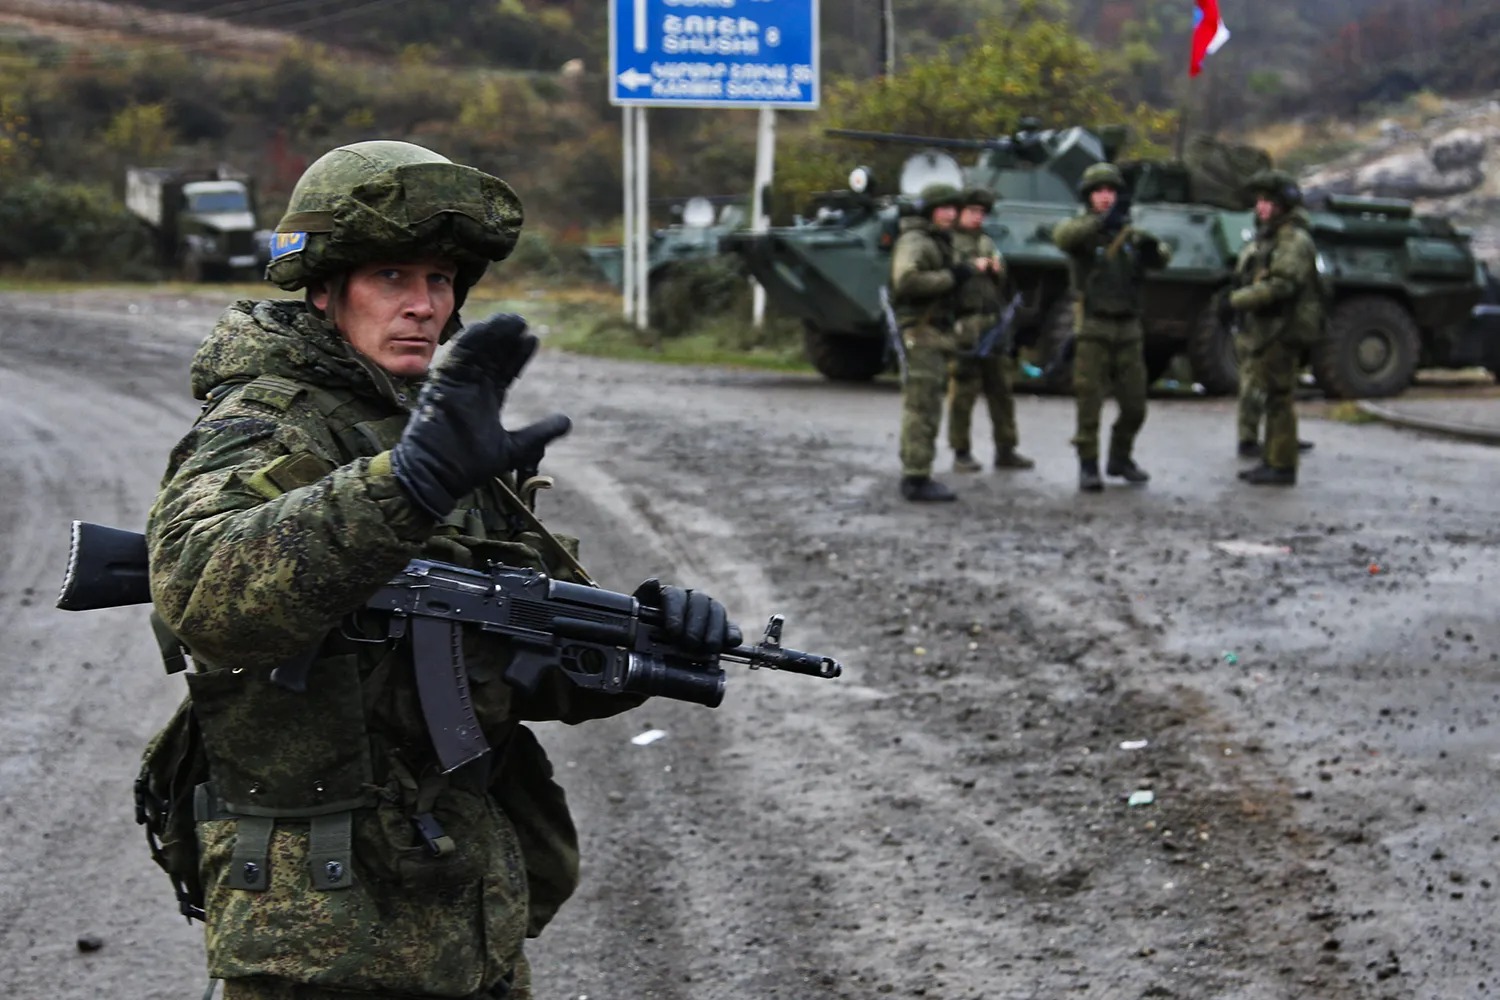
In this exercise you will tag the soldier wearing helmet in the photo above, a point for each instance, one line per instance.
(337, 858)
(1108, 260)
(979, 304)
(1280, 310)
(925, 272)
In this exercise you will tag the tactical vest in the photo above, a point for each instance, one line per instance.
(937, 310)
(980, 294)
(320, 762)
(1109, 278)
(1300, 320)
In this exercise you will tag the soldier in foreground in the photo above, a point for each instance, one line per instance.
(925, 271)
(339, 859)
(1281, 312)
(991, 372)
(1108, 261)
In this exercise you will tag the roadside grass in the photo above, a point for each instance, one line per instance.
(701, 318)
(719, 341)
(1348, 411)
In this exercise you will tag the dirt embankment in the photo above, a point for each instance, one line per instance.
(89, 22)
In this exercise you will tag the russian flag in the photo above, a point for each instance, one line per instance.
(1209, 34)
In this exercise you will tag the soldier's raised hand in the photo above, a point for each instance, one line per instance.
(454, 441)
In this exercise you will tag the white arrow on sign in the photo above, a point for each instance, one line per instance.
(633, 78)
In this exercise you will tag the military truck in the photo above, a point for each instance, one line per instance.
(203, 222)
(1400, 285)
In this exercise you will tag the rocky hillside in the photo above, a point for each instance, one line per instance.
(1449, 163)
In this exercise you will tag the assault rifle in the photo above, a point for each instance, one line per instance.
(893, 342)
(999, 334)
(598, 639)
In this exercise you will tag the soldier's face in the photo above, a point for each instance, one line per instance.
(972, 217)
(1264, 208)
(393, 312)
(943, 216)
(1102, 199)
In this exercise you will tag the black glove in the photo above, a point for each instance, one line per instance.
(1118, 215)
(1150, 248)
(690, 618)
(962, 271)
(453, 442)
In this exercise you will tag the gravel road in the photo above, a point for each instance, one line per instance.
(1305, 682)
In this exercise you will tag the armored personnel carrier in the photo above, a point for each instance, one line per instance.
(1401, 286)
(702, 222)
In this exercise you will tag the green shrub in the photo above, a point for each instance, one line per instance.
(688, 294)
(538, 256)
(71, 230)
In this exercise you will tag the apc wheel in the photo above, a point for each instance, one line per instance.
(1159, 355)
(1211, 355)
(844, 357)
(1054, 348)
(1370, 349)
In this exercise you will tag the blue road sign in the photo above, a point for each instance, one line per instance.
(714, 53)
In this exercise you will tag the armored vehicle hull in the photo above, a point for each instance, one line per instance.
(1401, 287)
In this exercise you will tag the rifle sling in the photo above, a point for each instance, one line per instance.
(534, 523)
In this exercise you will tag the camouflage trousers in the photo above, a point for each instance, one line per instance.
(266, 988)
(992, 376)
(1274, 370)
(1252, 406)
(1104, 368)
(922, 406)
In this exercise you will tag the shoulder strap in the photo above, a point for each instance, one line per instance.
(528, 516)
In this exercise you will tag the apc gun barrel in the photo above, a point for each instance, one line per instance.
(917, 140)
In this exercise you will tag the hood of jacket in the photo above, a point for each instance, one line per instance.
(285, 337)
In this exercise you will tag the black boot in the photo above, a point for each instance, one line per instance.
(925, 488)
(1269, 475)
(1089, 480)
(1127, 470)
(1009, 458)
(1250, 449)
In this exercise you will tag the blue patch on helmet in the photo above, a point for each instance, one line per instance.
(287, 243)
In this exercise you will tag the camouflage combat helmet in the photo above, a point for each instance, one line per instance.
(387, 200)
(983, 197)
(937, 195)
(1280, 186)
(1100, 175)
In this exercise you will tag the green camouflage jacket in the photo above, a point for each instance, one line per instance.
(1108, 274)
(980, 294)
(1279, 292)
(921, 280)
(277, 516)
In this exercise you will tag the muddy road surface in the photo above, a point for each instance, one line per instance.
(1303, 684)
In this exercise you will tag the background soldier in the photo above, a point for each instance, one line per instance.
(979, 301)
(1108, 259)
(338, 859)
(924, 273)
(1281, 311)
(1252, 396)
